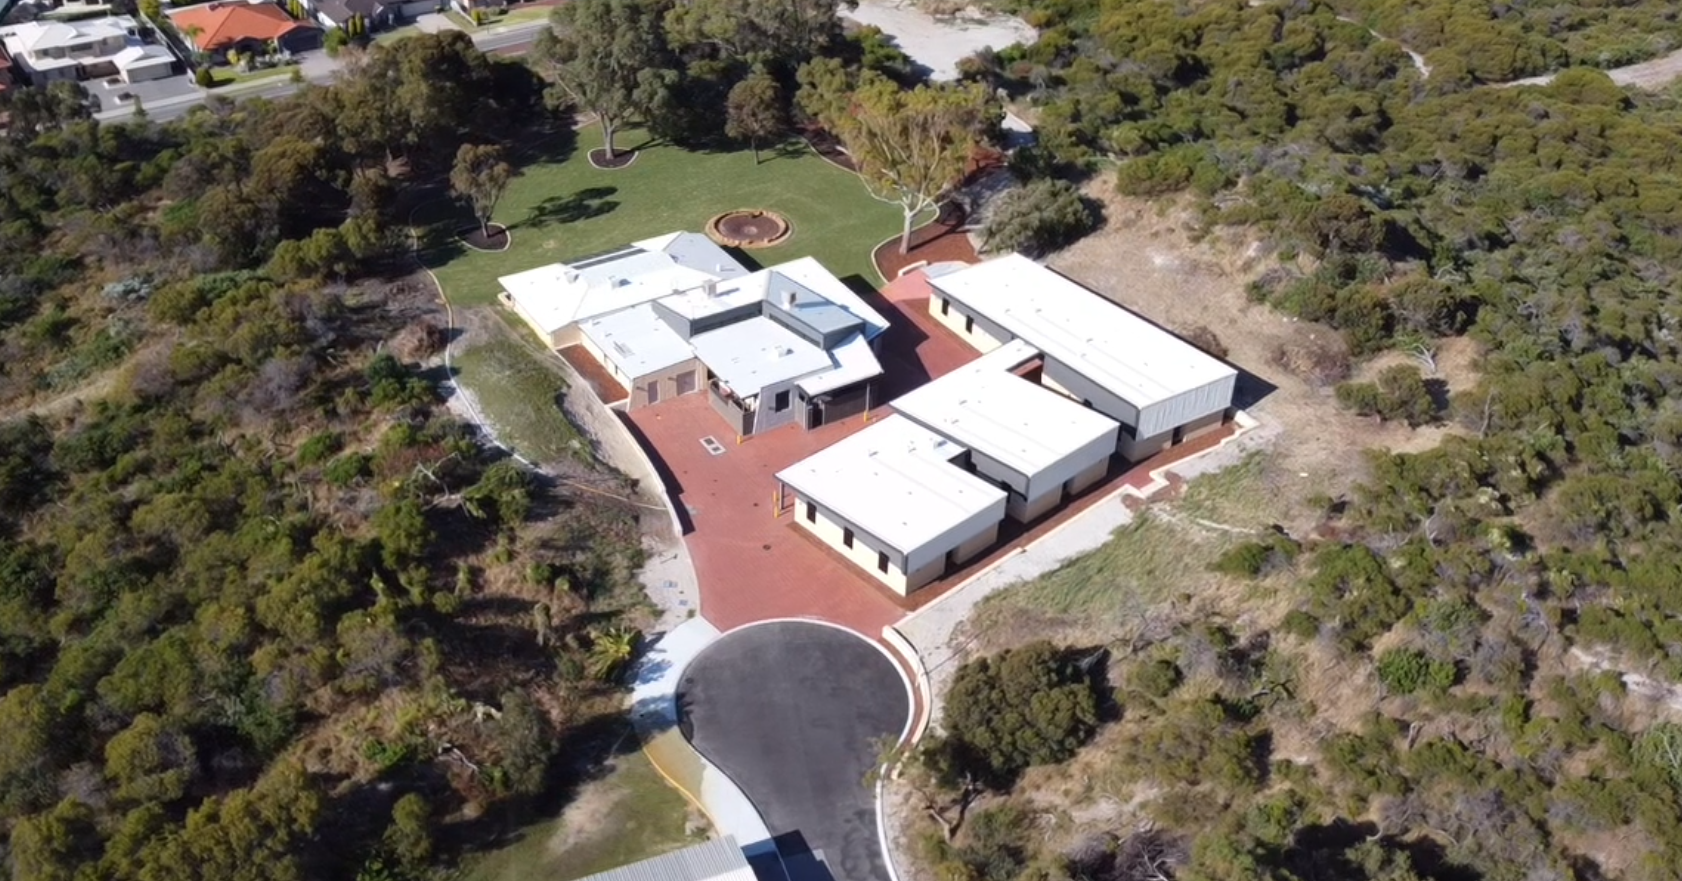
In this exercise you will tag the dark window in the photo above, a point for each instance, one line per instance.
(969, 324)
(811, 513)
(847, 536)
(945, 306)
(686, 382)
(882, 560)
(780, 402)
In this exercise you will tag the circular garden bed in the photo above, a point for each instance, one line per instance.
(492, 237)
(748, 229)
(620, 159)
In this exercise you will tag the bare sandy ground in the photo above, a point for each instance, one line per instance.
(939, 43)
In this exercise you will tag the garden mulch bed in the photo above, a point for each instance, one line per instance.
(942, 239)
(825, 144)
(621, 159)
(475, 238)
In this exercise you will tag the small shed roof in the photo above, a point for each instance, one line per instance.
(718, 860)
(986, 407)
(1108, 344)
(896, 481)
(561, 294)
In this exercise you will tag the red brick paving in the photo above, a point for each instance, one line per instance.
(753, 565)
(608, 389)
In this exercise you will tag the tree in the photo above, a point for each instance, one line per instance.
(911, 147)
(480, 176)
(409, 837)
(1027, 706)
(755, 110)
(1037, 219)
(756, 30)
(609, 57)
(150, 762)
(611, 649)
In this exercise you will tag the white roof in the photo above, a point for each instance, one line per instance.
(561, 294)
(1022, 424)
(809, 272)
(750, 355)
(637, 340)
(142, 56)
(718, 860)
(37, 36)
(855, 361)
(896, 481)
(1108, 344)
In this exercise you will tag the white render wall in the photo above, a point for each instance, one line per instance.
(927, 563)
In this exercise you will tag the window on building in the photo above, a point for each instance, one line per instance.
(686, 382)
(653, 391)
(847, 536)
(945, 306)
(882, 561)
(779, 403)
(969, 324)
(811, 513)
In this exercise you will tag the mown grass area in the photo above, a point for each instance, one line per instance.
(519, 391)
(561, 208)
(629, 815)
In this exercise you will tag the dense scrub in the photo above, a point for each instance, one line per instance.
(1474, 589)
(266, 610)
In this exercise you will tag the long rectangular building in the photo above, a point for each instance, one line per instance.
(1036, 444)
(1160, 388)
(896, 501)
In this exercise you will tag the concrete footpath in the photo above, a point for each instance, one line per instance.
(654, 713)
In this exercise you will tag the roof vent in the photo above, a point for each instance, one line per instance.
(571, 276)
(789, 299)
(710, 287)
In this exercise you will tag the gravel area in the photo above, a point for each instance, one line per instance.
(939, 43)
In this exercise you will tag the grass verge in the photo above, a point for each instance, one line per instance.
(519, 391)
(626, 816)
(562, 207)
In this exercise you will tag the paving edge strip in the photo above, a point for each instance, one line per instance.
(654, 716)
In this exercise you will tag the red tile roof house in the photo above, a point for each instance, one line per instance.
(215, 28)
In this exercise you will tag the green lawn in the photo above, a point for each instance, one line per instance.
(228, 76)
(629, 815)
(518, 389)
(563, 210)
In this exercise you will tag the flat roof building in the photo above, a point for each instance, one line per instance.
(718, 860)
(1159, 387)
(896, 500)
(676, 314)
(1038, 445)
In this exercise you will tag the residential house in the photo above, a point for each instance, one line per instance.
(376, 15)
(5, 69)
(59, 51)
(248, 28)
(677, 315)
(467, 7)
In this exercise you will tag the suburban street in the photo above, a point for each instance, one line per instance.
(513, 39)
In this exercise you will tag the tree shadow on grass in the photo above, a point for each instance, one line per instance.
(571, 208)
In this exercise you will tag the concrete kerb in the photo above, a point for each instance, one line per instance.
(1159, 481)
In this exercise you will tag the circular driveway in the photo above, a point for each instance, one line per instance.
(797, 714)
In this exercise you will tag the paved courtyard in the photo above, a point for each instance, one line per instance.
(753, 565)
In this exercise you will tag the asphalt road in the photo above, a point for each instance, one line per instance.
(510, 40)
(796, 714)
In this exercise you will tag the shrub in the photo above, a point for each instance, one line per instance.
(1027, 706)
(337, 40)
(1405, 671)
(1158, 678)
(1300, 624)
(204, 79)
(1399, 395)
(1203, 337)
(319, 448)
(1039, 218)
(1255, 559)
(347, 469)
